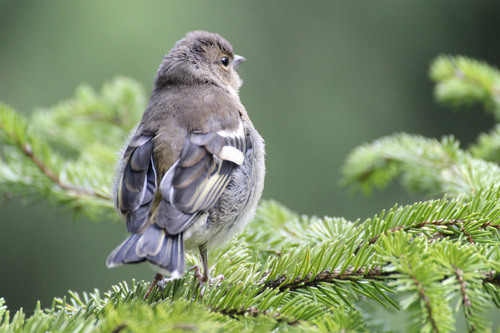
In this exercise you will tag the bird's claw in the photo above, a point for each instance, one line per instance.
(218, 279)
(197, 273)
(203, 278)
(159, 281)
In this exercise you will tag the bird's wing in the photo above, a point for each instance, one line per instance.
(197, 179)
(138, 184)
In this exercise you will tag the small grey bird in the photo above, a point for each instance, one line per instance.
(193, 171)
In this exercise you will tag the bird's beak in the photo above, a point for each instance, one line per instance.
(237, 61)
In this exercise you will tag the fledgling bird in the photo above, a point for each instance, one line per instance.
(193, 171)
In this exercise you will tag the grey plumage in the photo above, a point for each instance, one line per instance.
(193, 172)
(137, 187)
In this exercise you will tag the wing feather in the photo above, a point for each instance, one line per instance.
(137, 186)
(199, 177)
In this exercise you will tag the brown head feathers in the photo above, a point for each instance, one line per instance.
(200, 58)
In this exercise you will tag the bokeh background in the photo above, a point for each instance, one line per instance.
(321, 78)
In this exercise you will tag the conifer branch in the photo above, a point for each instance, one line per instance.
(119, 328)
(287, 270)
(459, 274)
(326, 277)
(376, 274)
(493, 278)
(457, 222)
(78, 191)
(426, 300)
(235, 313)
(462, 81)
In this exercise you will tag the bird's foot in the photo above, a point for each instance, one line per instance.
(218, 279)
(204, 278)
(161, 284)
(157, 278)
(159, 281)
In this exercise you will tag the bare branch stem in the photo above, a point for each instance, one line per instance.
(79, 191)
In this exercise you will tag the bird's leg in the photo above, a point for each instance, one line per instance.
(158, 277)
(205, 277)
(204, 261)
(202, 278)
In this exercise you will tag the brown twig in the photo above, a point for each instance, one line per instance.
(493, 278)
(79, 191)
(241, 312)
(427, 303)
(465, 297)
(450, 223)
(376, 274)
(119, 328)
(347, 275)
(234, 313)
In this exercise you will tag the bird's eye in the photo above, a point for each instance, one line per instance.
(225, 61)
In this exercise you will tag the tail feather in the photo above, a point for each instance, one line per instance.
(170, 258)
(165, 252)
(150, 241)
(125, 253)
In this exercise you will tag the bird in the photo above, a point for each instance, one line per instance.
(192, 172)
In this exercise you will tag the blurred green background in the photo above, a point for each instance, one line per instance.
(321, 78)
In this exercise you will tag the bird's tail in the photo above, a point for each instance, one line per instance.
(165, 252)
